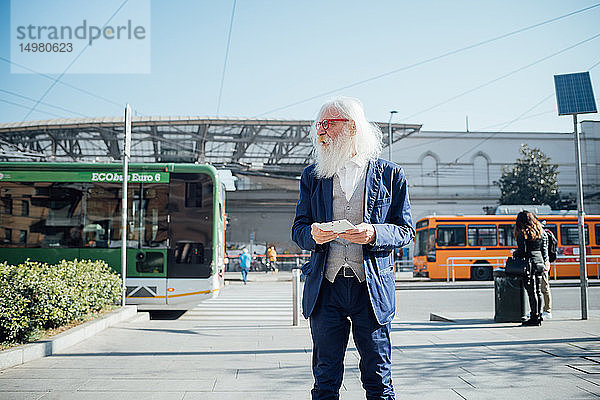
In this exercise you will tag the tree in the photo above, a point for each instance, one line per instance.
(531, 180)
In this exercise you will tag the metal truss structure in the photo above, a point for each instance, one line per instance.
(281, 146)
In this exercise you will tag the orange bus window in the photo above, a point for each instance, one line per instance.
(552, 228)
(570, 236)
(421, 243)
(482, 235)
(422, 224)
(425, 243)
(506, 235)
(452, 235)
(597, 230)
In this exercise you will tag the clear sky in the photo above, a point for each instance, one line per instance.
(287, 57)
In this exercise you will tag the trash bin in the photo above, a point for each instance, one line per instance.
(510, 297)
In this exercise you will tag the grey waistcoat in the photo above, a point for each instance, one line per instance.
(341, 251)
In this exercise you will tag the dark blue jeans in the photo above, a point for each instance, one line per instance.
(341, 306)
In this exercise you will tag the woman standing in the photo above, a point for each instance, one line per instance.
(532, 244)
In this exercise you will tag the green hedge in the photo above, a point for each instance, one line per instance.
(36, 296)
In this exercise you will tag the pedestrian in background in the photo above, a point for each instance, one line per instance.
(245, 264)
(272, 257)
(350, 278)
(547, 313)
(532, 245)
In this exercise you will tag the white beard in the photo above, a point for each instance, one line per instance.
(330, 158)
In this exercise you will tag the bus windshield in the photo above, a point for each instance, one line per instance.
(425, 242)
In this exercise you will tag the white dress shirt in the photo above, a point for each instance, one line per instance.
(350, 174)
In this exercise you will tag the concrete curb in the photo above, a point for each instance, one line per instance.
(439, 318)
(140, 317)
(42, 348)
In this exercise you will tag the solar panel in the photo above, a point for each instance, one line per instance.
(574, 94)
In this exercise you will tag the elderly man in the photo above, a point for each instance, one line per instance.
(350, 277)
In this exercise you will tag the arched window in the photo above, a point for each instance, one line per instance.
(481, 174)
(429, 171)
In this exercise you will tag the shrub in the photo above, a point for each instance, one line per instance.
(36, 296)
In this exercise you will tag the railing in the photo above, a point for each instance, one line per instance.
(500, 261)
(589, 259)
(404, 266)
(285, 262)
(453, 262)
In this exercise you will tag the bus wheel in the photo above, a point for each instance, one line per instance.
(481, 272)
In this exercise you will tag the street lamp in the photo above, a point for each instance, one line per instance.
(390, 135)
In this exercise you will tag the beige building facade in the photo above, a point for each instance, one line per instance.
(447, 172)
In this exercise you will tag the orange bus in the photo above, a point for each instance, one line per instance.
(469, 247)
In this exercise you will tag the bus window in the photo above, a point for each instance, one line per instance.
(8, 204)
(597, 230)
(7, 235)
(190, 249)
(482, 235)
(193, 194)
(431, 245)
(103, 220)
(151, 262)
(422, 224)
(23, 237)
(53, 210)
(552, 228)
(570, 236)
(452, 235)
(420, 241)
(506, 235)
(425, 242)
(154, 230)
(189, 253)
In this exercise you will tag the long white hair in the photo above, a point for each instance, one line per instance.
(366, 142)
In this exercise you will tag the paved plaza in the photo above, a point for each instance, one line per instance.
(241, 345)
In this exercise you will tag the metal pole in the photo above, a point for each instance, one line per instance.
(581, 225)
(390, 159)
(251, 249)
(126, 154)
(296, 296)
(390, 135)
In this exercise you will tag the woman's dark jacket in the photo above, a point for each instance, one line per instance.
(535, 250)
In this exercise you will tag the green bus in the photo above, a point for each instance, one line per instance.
(175, 224)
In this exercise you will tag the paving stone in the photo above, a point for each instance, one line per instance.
(33, 384)
(108, 395)
(526, 392)
(21, 395)
(147, 385)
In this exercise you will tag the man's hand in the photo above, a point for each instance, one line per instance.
(321, 236)
(363, 234)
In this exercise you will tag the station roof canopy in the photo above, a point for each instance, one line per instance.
(267, 145)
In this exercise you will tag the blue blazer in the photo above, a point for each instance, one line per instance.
(386, 207)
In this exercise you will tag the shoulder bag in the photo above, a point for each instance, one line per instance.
(516, 266)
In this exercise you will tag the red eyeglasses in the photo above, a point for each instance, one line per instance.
(325, 123)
